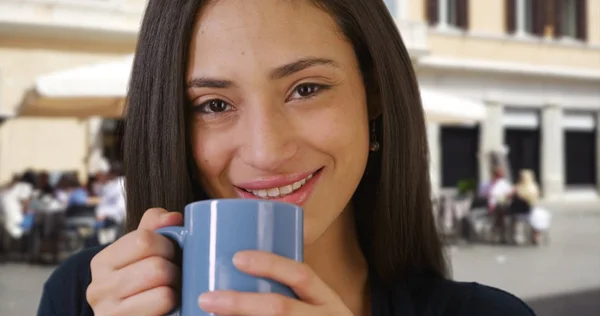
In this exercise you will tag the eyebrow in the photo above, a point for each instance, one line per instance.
(299, 65)
(209, 83)
(277, 73)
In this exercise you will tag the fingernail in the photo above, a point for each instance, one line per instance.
(213, 300)
(241, 259)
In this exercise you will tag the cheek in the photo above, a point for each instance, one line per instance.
(211, 156)
(342, 143)
(343, 129)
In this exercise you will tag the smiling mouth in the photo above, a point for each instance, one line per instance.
(282, 191)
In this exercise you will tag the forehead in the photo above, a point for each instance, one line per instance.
(273, 31)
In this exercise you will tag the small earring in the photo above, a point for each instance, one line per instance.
(374, 144)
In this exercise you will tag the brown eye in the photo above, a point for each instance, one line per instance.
(217, 106)
(214, 106)
(306, 90)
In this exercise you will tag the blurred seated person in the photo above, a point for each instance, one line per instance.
(499, 194)
(43, 187)
(98, 178)
(110, 212)
(44, 198)
(66, 186)
(500, 189)
(526, 193)
(525, 199)
(490, 193)
(15, 200)
(6, 187)
(62, 194)
(78, 195)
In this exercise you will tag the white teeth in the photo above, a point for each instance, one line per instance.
(261, 193)
(281, 191)
(286, 190)
(296, 186)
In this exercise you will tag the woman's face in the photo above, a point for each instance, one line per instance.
(279, 107)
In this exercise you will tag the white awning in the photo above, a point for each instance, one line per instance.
(100, 80)
(446, 108)
(96, 90)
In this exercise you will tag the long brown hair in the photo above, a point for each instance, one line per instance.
(393, 209)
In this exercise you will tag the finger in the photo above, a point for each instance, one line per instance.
(297, 275)
(157, 301)
(156, 218)
(144, 275)
(133, 247)
(252, 304)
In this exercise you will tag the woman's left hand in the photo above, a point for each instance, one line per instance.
(316, 298)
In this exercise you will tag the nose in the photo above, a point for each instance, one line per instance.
(269, 140)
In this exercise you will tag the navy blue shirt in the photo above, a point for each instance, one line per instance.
(64, 295)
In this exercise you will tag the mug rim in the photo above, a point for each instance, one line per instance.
(241, 200)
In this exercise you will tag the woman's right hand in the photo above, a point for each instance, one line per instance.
(135, 275)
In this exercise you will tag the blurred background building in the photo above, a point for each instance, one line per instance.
(534, 65)
(521, 75)
(39, 38)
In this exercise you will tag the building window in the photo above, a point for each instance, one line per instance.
(525, 17)
(562, 18)
(570, 19)
(580, 149)
(448, 13)
(459, 146)
(451, 12)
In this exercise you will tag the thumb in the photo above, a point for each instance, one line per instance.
(156, 218)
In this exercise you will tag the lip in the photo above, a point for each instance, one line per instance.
(299, 197)
(274, 182)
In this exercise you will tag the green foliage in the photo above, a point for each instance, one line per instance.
(466, 186)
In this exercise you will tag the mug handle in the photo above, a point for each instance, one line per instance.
(177, 234)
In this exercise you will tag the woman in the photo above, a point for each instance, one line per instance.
(231, 91)
(527, 194)
(527, 189)
(14, 203)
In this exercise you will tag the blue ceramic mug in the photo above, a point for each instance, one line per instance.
(214, 230)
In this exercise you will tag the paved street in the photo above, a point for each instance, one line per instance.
(21, 288)
(562, 278)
